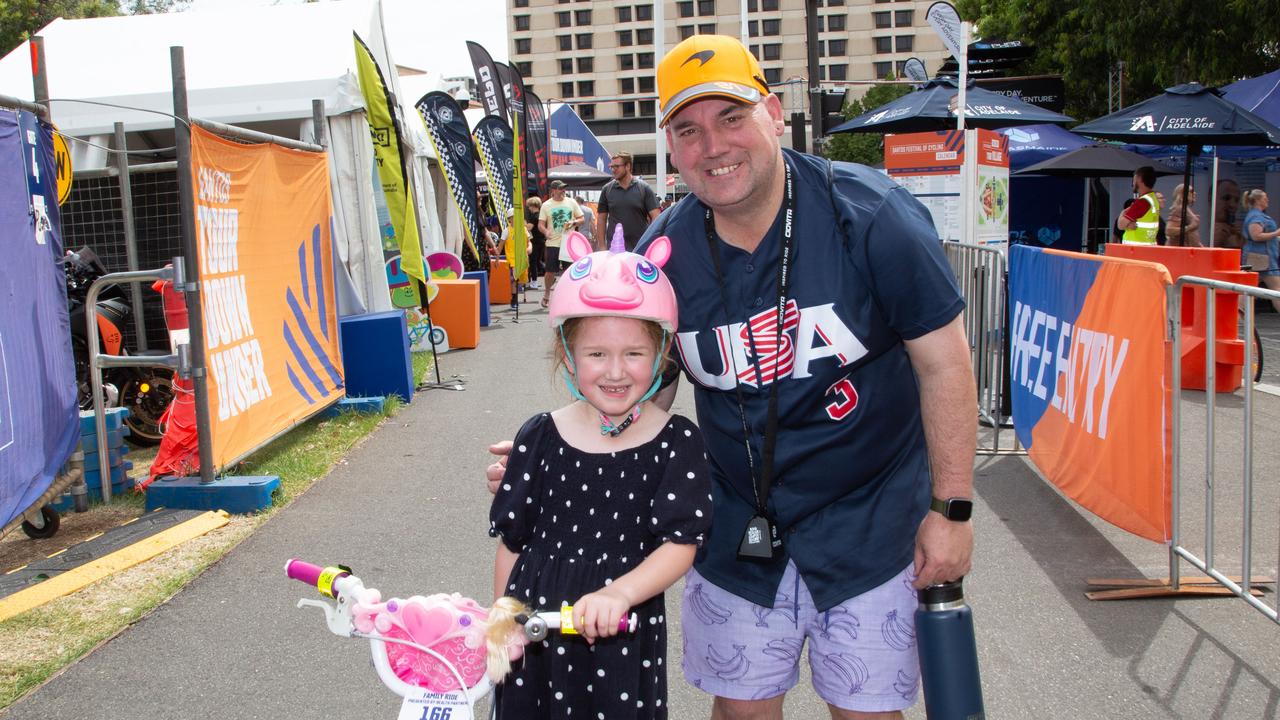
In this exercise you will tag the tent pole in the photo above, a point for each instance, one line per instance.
(1192, 151)
(1213, 198)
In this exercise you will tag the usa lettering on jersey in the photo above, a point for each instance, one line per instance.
(810, 334)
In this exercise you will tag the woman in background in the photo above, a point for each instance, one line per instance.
(1261, 249)
(1190, 236)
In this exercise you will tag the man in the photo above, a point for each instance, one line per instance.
(625, 199)
(558, 216)
(1140, 222)
(867, 480)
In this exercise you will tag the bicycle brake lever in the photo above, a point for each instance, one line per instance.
(338, 624)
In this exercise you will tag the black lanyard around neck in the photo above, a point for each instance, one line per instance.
(763, 480)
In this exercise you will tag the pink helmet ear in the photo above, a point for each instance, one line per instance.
(659, 251)
(578, 244)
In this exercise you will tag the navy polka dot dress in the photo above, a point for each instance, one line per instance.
(579, 520)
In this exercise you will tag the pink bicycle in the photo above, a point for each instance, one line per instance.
(441, 653)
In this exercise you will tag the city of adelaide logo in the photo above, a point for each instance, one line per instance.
(1143, 123)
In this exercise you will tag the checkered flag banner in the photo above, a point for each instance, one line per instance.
(495, 143)
(447, 129)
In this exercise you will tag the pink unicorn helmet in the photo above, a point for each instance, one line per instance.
(615, 282)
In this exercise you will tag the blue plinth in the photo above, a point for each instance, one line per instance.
(483, 277)
(235, 494)
(121, 483)
(375, 355)
(115, 438)
(114, 419)
(362, 405)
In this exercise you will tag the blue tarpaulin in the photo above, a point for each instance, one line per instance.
(39, 418)
(573, 142)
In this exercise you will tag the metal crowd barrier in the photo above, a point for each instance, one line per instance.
(1207, 565)
(980, 272)
(179, 362)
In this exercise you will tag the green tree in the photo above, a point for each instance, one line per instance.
(865, 148)
(1161, 44)
(20, 19)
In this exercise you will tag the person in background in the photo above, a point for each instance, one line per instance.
(1261, 248)
(532, 208)
(1178, 236)
(509, 250)
(492, 238)
(558, 216)
(588, 227)
(1226, 233)
(625, 199)
(1140, 222)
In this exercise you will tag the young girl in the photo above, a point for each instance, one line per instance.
(605, 500)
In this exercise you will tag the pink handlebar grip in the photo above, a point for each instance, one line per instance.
(303, 571)
(628, 623)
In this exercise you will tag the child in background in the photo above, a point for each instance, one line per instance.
(605, 500)
(509, 251)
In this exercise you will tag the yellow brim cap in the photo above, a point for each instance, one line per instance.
(731, 91)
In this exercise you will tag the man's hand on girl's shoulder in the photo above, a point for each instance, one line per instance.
(493, 474)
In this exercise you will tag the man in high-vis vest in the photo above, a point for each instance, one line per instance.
(1140, 222)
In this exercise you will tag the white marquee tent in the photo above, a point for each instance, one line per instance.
(258, 68)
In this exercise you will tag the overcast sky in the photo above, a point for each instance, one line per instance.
(425, 34)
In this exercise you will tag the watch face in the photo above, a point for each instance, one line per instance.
(959, 510)
(954, 509)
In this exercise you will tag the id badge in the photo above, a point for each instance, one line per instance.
(759, 540)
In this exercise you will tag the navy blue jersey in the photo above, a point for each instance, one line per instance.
(851, 471)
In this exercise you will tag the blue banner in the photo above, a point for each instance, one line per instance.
(1089, 374)
(573, 142)
(39, 418)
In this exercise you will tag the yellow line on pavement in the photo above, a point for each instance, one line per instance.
(91, 572)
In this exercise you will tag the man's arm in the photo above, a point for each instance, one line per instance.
(654, 213)
(1129, 216)
(602, 240)
(948, 407)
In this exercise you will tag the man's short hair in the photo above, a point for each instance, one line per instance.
(1147, 175)
(623, 157)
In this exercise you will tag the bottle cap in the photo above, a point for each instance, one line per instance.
(948, 592)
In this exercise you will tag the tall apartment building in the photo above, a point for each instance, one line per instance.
(600, 56)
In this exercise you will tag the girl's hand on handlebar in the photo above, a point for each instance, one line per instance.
(493, 474)
(598, 614)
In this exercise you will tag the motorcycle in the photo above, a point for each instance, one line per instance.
(146, 391)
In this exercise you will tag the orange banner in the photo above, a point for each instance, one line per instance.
(1090, 378)
(266, 288)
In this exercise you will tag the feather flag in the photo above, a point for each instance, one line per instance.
(388, 150)
(447, 130)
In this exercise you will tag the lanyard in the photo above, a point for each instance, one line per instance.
(762, 481)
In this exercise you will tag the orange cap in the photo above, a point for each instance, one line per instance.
(708, 66)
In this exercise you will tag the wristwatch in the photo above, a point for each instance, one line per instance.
(953, 509)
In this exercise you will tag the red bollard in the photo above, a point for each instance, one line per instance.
(1222, 264)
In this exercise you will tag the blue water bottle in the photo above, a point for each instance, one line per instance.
(948, 654)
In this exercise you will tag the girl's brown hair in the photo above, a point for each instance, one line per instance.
(573, 326)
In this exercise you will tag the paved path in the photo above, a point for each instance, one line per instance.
(407, 510)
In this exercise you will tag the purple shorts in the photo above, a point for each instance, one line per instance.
(862, 652)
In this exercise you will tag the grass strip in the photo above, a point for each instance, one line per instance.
(39, 643)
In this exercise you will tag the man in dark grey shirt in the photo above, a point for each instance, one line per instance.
(625, 199)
